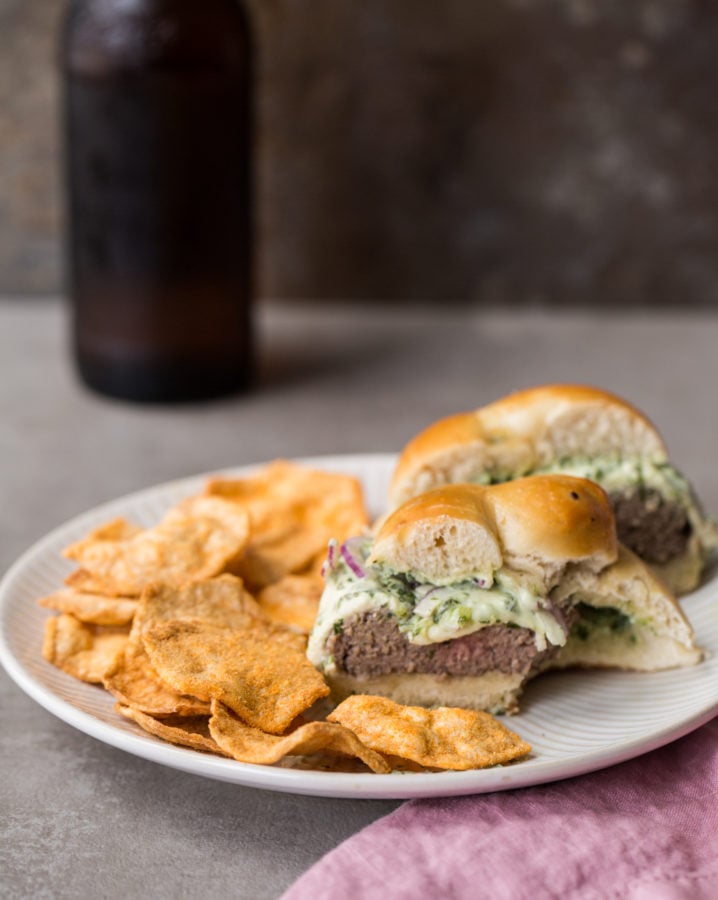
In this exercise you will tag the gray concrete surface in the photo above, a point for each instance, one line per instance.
(80, 819)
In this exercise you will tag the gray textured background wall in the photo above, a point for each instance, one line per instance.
(496, 151)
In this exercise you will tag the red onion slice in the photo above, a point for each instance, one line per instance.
(331, 560)
(351, 561)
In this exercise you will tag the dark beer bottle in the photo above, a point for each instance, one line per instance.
(157, 153)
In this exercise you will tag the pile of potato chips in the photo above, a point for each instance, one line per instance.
(198, 628)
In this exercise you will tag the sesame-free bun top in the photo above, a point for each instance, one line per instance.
(537, 525)
(522, 432)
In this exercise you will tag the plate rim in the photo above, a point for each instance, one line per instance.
(301, 781)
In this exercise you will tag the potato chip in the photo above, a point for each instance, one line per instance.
(221, 600)
(251, 745)
(271, 556)
(91, 608)
(84, 651)
(115, 530)
(186, 731)
(294, 512)
(293, 601)
(133, 681)
(189, 544)
(443, 738)
(265, 680)
(83, 581)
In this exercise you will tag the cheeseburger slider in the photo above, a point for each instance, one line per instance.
(579, 431)
(468, 591)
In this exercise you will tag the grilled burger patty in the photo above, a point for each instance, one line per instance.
(370, 644)
(653, 527)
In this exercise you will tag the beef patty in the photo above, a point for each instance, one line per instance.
(370, 644)
(653, 528)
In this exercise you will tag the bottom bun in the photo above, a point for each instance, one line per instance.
(682, 574)
(494, 692)
(642, 651)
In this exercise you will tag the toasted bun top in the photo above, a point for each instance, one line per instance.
(522, 432)
(538, 524)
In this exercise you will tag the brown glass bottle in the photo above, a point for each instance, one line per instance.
(157, 153)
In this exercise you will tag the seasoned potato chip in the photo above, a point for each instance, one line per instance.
(91, 608)
(133, 681)
(187, 731)
(189, 544)
(266, 681)
(83, 651)
(293, 601)
(270, 557)
(251, 745)
(115, 530)
(294, 511)
(444, 738)
(83, 581)
(221, 600)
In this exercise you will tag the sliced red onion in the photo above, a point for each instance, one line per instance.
(481, 582)
(351, 561)
(331, 560)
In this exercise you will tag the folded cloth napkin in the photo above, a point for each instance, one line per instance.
(643, 830)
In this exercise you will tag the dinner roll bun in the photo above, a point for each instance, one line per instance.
(537, 524)
(521, 432)
(581, 431)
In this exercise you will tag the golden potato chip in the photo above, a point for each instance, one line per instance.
(189, 544)
(444, 738)
(227, 516)
(83, 581)
(293, 601)
(115, 530)
(323, 761)
(270, 557)
(83, 651)
(91, 608)
(133, 681)
(251, 745)
(294, 511)
(185, 731)
(221, 600)
(266, 681)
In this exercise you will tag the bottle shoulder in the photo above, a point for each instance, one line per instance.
(101, 37)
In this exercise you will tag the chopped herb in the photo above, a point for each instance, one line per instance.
(465, 617)
(605, 618)
(581, 631)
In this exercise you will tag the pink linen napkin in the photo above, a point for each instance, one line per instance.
(643, 830)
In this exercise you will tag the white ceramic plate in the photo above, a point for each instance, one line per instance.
(577, 722)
